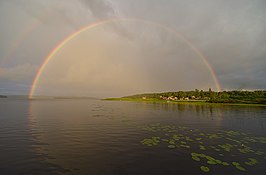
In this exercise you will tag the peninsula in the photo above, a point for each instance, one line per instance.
(257, 97)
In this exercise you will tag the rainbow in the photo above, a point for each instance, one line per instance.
(19, 40)
(93, 25)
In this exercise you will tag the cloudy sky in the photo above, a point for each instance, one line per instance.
(151, 46)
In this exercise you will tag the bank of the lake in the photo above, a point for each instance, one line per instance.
(195, 102)
(235, 97)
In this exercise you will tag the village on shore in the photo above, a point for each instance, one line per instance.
(210, 96)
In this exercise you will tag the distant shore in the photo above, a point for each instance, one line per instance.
(196, 102)
(247, 98)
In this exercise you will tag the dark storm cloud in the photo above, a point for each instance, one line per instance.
(100, 8)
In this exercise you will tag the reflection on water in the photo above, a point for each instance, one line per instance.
(104, 137)
(17, 146)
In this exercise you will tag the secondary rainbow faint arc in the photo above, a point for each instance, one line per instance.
(90, 26)
(23, 36)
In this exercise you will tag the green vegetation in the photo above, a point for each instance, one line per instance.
(200, 96)
(204, 169)
(210, 152)
(151, 142)
(238, 166)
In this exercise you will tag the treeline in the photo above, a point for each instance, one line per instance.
(248, 97)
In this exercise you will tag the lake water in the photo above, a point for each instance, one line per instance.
(115, 137)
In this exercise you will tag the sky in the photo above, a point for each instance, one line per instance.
(150, 46)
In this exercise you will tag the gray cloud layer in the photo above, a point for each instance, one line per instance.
(231, 34)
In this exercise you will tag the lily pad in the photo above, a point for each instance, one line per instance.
(205, 169)
(251, 162)
(218, 161)
(188, 139)
(235, 163)
(195, 154)
(195, 158)
(171, 146)
(165, 140)
(202, 147)
(210, 158)
(225, 164)
(172, 142)
(202, 155)
(185, 146)
(182, 142)
(211, 162)
(240, 168)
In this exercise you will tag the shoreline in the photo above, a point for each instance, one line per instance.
(196, 102)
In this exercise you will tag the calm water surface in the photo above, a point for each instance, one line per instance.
(114, 137)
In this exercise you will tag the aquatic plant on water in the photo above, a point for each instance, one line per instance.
(212, 149)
